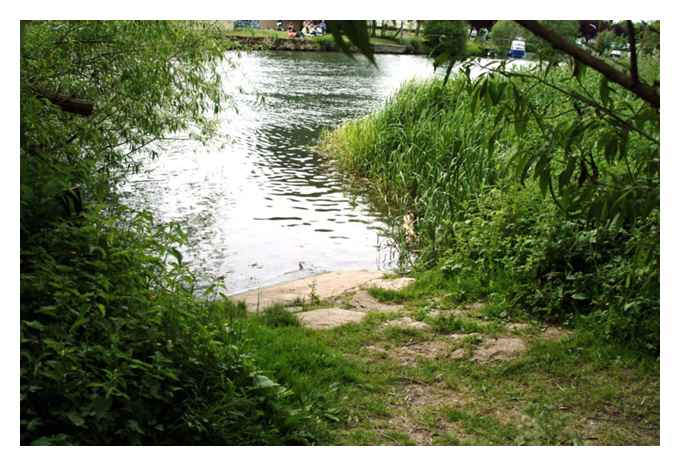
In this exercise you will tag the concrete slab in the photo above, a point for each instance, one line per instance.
(325, 285)
(329, 318)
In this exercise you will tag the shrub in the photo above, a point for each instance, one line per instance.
(117, 350)
(279, 316)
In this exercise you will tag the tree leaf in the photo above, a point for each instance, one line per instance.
(262, 381)
(356, 32)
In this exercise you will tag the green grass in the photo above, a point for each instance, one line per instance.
(387, 296)
(257, 33)
(454, 324)
(324, 39)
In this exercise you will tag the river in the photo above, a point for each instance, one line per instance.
(260, 205)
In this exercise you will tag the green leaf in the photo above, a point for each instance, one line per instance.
(176, 254)
(34, 324)
(604, 90)
(76, 419)
(579, 70)
(100, 406)
(262, 381)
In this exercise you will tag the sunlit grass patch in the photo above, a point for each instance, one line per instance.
(386, 295)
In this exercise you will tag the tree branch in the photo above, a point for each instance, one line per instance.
(647, 93)
(70, 104)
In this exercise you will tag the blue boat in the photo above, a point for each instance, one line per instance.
(517, 49)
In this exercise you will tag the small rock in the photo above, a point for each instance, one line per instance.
(329, 318)
(458, 354)
(407, 322)
(435, 314)
(499, 349)
(555, 333)
(458, 336)
(365, 302)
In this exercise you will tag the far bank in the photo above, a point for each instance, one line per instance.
(320, 44)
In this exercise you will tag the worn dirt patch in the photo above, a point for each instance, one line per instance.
(408, 323)
(409, 355)
(329, 318)
(412, 400)
(555, 333)
(462, 311)
(365, 302)
(502, 348)
(436, 313)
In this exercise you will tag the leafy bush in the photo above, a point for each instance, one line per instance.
(115, 346)
(117, 350)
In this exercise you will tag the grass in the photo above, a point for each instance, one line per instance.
(386, 296)
(569, 392)
(257, 33)
(279, 316)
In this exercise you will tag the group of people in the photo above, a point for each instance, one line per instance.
(309, 28)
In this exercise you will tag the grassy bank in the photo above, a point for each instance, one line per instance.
(523, 197)
(371, 384)
(278, 40)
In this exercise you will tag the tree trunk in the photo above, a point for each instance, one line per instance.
(400, 30)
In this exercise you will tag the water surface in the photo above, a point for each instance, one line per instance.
(263, 206)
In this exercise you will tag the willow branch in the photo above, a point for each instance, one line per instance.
(70, 104)
(646, 92)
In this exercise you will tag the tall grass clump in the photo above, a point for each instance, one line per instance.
(424, 152)
(539, 191)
